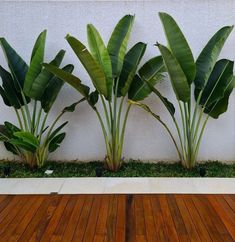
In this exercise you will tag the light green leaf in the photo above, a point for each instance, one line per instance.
(94, 70)
(101, 55)
(118, 43)
(36, 62)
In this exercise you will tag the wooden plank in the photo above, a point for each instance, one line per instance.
(111, 219)
(177, 218)
(158, 219)
(38, 220)
(11, 211)
(5, 202)
(72, 224)
(139, 216)
(190, 227)
(19, 217)
(83, 220)
(224, 213)
(93, 217)
(121, 219)
(130, 219)
(221, 228)
(19, 230)
(43, 223)
(170, 227)
(196, 218)
(101, 228)
(149, 219)
(230, 201)
(61, 226)
(207, 218)
(55, 219)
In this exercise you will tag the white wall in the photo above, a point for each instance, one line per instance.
(22, 21)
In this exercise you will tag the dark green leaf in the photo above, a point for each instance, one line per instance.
(179, 46)
(69, 78)
(130, 65)
(208, 57)
(178, 79)
(17, 65)
(36, 87)
(55, 142)
(52, 90)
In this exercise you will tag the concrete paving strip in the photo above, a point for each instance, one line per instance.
(106, 185)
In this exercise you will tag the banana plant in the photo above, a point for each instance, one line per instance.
(113, 72)
(32, 139)
(212, 80)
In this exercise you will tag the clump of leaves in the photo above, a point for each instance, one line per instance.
(33, 139)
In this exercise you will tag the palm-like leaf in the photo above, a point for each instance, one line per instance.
(101, 55)
(52, 89)
(35, 63)
(118, 43)
(208, 57)
(130, 65)
(177, 76)
(40, 83)
(179, 46)
(217, 82)
(149, 74)
(94, 70)
(16, 64)
(69, 78)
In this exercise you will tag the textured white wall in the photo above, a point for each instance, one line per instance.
(21, 22)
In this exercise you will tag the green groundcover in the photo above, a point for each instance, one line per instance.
(129, 169)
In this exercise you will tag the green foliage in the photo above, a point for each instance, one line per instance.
(129, 169)
(213, 80)
(114, 74)
(35, 84)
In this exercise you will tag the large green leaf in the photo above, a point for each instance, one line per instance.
(52, 90)
(35, 66)
(28, 138)
(94, 70)
(149, 73)
(101, 55)
(69, 78)
(217, 82)
(55, 142)
(8, 91)
(221, 106)
(152, 68)
(130, 65)
(56, 131)
(40, 83)
(179, 46)
(16, 64)
(118, 43)
(209, 55)
(177, 76)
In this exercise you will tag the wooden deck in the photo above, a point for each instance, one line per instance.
(117, 218)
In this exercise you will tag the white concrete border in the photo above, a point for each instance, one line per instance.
(117, 185)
